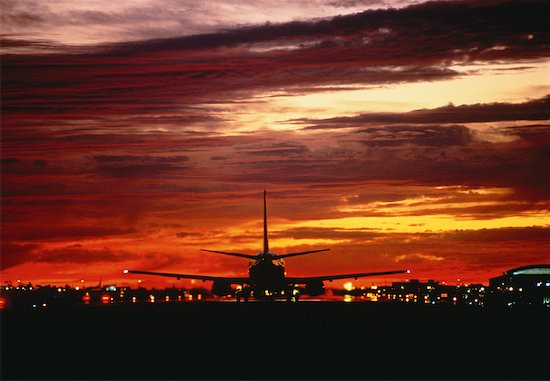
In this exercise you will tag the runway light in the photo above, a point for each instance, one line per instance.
(408, 271)
(125, 271)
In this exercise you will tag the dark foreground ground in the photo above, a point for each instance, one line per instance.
(274, 341)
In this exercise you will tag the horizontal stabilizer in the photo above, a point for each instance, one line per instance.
(279, 256)
(248, 256)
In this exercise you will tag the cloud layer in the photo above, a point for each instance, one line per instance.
(139, 153)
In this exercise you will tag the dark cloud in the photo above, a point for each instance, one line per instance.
(532, 234)
(71, 232)
(385, 46)
(443, 27)
(14, 254)
(537, 109)
(12, 165)
(435, 136)
(327, 233)
(75, 254)
(274, 149)
(129, 166)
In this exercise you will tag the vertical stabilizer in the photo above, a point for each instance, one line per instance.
(266, 241)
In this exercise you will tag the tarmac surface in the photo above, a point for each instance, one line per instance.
(324, 340)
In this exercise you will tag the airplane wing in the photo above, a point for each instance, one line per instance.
(304, 280)
(231, 280)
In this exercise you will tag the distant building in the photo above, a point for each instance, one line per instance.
(415, 291)
(522, 286)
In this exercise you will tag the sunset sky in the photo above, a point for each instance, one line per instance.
(399, 134)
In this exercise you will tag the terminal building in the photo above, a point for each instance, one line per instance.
(522, 286)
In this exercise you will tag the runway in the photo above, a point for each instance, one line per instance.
(327, 340)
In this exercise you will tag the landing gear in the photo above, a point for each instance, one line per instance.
(243, 294)
(292, 294)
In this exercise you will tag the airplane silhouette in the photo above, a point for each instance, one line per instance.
(267, 277)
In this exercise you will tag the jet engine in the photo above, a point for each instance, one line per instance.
(221, 288)
(314, 288)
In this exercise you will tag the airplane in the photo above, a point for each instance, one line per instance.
(267, 277)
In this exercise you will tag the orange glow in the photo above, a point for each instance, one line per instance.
(87, 298)
(3, 302)
(105, 299)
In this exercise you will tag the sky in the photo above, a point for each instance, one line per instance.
(399, 134)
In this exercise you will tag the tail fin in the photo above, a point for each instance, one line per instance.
(266, 241)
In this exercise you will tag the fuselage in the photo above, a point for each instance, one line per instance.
(267, 273)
